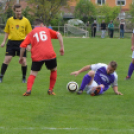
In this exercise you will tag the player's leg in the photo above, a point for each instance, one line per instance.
(30, 82)
(24, 65)
(53, 78)
(36, 66)
(87, 80)
(52, 66)
(131, 68)
(4, 67)
(97, 90)
(8, 57)
(24, 70)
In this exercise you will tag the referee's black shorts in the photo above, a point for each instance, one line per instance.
(13, 48)
(50, 64)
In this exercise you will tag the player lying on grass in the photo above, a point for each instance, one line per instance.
(131, 66)
(41, 52)
(99, 79)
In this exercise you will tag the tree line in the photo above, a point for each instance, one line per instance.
(50, 11)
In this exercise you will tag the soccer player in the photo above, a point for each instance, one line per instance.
(99, 79)
(16, 29)
(131, 66)
(41, 52)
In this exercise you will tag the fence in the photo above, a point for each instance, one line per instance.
(127, 34)
(76, 33)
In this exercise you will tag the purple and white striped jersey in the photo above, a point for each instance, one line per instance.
(101, 76)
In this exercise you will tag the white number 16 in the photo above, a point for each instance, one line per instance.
(42, 36)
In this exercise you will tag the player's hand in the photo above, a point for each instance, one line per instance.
(2, 44)
(132, 48)
(21, 60)
(75, 73)
(61, 51)
(119, 93)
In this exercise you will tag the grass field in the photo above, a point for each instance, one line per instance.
(68, 113)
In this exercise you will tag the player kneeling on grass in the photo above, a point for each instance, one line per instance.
(99, 79)
(41, 52)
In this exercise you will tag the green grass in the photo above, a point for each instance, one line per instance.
(68, 113)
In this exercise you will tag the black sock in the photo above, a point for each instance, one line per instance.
(3, 69)
(24, 71)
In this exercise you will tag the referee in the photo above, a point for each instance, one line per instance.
(16, 29)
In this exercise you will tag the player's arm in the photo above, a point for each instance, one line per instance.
(5, 39)
(85, 68)
(57, 35)
(61, 43)
(132, 41)
(115, 88)
(23, 46)
(28, 30)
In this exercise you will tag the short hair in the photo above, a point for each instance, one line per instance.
(38, 22)
(113, 64)
(16, 6)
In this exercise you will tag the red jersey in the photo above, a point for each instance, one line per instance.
(41, 45)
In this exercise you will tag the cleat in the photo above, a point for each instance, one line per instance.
(127, 78)
(79, 92)
(1, 79)
(24, 80)
(96, 92)
(50, 92)
(27, 93)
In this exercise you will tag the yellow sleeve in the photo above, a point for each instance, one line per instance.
(28, 27)
(6, 30)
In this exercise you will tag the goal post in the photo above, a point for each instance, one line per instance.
(75, 31)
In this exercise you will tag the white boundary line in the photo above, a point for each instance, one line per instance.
(50, 128)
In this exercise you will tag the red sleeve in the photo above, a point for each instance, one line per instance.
(53, 34)
(26, 42)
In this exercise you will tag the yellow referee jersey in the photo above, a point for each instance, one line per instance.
(17, 28)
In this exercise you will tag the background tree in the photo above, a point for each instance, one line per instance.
(85, 10)
(27, 12)
(107, 13)
(46, 9)
(131, 11)
(6, 10)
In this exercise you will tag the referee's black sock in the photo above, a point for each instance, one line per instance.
(3, 69)
(24, 71)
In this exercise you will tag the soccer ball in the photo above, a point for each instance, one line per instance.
(72, 86)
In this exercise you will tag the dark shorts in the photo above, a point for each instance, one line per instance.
(13, 48)
(50, 64)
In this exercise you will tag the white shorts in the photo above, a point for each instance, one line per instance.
(89, 87)
(133, 55)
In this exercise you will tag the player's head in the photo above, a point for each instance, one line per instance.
(111, 67)
(38, 22)
(17, 10)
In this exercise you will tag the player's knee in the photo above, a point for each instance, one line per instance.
(24, 62)
(7, 60)
(132, 61)
(91, 73)
(54, 69)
